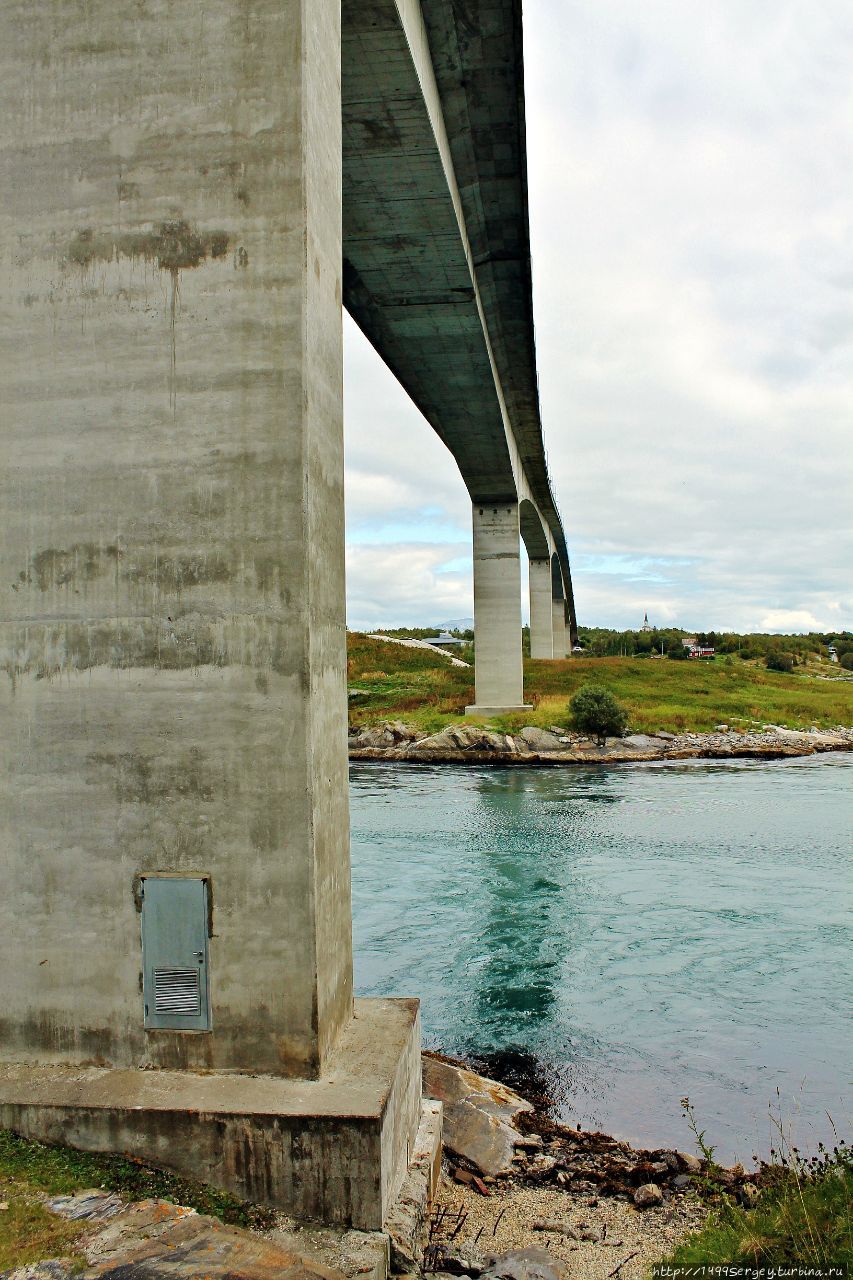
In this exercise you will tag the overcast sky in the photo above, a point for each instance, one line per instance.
(691, 207)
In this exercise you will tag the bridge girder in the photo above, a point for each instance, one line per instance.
(436, 246)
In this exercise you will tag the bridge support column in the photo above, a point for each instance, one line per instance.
(559, 629)
(174, 729)
(498, 671)
(541, 623)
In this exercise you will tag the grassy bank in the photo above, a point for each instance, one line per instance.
(802, 1218)
(30, 1233)
(28, 1170)
(424, 690)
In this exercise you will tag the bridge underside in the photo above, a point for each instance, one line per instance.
(436, 239)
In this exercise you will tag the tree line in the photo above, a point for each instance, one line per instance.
(780, 652)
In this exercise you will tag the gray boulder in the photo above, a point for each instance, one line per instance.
(541, 739)
(478, 1115)
(646, 1197)
(375, 736)
(643, 741)
(524, 1264)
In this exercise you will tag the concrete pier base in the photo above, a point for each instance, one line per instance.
(488, 713)
(335, 1149)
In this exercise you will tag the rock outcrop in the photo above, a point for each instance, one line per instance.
(478, 1115)
(477, 744)
(155, 1239)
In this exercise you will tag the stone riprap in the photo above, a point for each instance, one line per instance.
(475, 744)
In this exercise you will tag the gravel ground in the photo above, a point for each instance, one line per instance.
(619, 1227)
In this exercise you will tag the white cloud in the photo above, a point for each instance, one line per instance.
(405, 585)
(790, 620)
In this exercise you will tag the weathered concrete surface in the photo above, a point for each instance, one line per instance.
(406, 1221)
(498, 673)
(561, 610)
(560, 633)
(541, 625)
(478, 1115)
(334, 1149)
(171, 569)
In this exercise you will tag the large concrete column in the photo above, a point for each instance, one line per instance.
(498, 673)
(172, 640)
(172, 518)
(559, 628)
(541, 625)
(558, 611)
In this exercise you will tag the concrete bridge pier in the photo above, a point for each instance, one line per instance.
(498, 675)
(560, 633)
(541, 610)
(173, 768)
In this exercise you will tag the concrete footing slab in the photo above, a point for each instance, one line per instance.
(370, 1255)
(488, 712)
(335, 1150)
(406, 1222)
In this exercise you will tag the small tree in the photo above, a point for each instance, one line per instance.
(846, 660)
(595, 711)
(779, 660)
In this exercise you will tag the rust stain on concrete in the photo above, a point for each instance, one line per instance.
(172, 246)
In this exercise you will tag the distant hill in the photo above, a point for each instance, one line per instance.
(456, 624)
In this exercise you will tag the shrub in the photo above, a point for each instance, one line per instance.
(846, 661)
(777, 660)
(595, 711)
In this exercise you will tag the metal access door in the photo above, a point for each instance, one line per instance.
(174, 953)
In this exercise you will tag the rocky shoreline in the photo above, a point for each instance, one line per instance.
(518, 1184)
(533, 747)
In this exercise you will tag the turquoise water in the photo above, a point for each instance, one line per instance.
(646, 931)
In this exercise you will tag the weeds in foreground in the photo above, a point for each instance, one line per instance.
(702, 1144)
(802, 1216)
(36, 1166)
(29, 1233)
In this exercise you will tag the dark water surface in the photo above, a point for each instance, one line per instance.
(647, 931)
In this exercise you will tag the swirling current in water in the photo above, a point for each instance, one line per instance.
(645, 931)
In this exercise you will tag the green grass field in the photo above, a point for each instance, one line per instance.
(424, 690)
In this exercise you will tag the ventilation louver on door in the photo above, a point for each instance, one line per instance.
(177, 991)
(175, 978)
